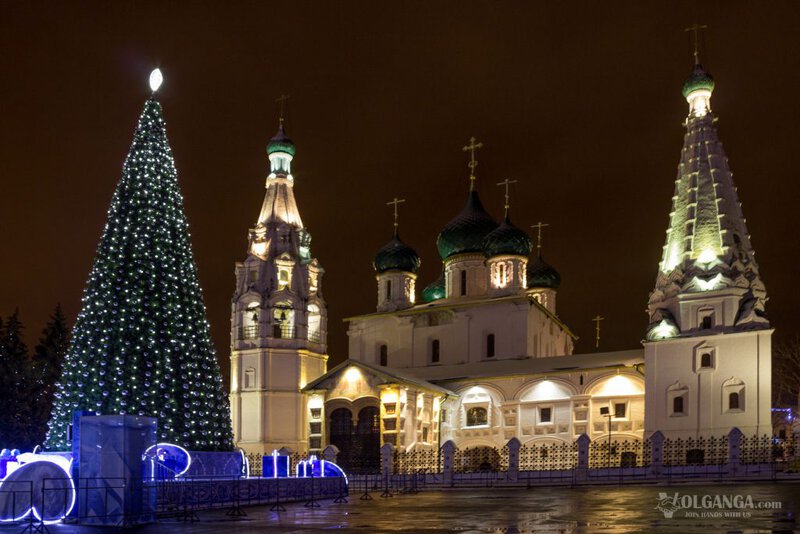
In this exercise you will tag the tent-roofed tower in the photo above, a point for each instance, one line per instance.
(278, 318)
(708, 348)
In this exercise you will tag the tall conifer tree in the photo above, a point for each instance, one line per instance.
(48, 358)
(141, 342)
(15, 386)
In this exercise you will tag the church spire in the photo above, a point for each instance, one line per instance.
(707, 247)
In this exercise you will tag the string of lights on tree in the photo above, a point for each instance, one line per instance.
(141, 344)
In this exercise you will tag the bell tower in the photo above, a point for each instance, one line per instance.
(708, 347)
(278, 318)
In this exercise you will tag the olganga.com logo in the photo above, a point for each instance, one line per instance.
(708, 505)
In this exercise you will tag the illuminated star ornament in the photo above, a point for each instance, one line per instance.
(156, 79)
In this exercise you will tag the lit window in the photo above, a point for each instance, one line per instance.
(477, 416)
(283, 278)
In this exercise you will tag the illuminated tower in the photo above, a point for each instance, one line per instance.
(396, 265)
(278, 318)
(708, 346)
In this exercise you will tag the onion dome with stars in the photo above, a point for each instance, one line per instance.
(698, 80)
(507, 239)
(281, 142)
(396, 256)
(542, 274)
(467, 231)
(435, 290)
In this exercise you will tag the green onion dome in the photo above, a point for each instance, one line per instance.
(435, 290)
(396, 256)
(281, 143)
(467, 231)
(507, 239)
(542, 274)
(698, 79)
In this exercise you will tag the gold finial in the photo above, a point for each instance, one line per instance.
(282, 99)
(696, 29)
(539, 227)
(395, 202)
(471, 148)
(597, 320)
(506, 183)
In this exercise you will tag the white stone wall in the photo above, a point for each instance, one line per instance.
(674, 366)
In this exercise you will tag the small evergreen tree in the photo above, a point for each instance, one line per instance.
(48, 357)
(141, 343)
(15, 386)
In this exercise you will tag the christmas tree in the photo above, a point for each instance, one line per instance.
(141, 343)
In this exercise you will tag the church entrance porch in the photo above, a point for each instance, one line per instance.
(358, 439)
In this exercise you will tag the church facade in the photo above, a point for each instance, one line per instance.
(480, 356)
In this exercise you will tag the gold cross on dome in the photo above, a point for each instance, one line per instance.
(597, 320)
(696, 29)
(471, 148)
(282, 99)
(539, 227)
(506, 183)
(395, 202)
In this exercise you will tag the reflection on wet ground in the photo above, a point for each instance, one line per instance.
(592, 509)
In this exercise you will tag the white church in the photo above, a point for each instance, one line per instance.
(479, 355)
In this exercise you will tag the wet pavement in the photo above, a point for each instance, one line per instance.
(584, 509)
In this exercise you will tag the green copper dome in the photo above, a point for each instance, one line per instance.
(507, 239)
(698, 79)
(467, 231)
(541, 274)
(396, 256)
(435, 290)
(281, 142)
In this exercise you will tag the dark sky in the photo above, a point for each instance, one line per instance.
(578, 101)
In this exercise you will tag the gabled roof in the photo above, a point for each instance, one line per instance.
(387, 374)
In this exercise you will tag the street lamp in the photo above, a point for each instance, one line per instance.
(606, 412)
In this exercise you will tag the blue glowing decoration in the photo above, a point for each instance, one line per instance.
(318, 468)
(165, 461)
(275, 466)
(36, 484)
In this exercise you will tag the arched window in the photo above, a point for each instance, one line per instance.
(463, 282)
(435, 351)
(733, 400)
(677, 405)
(383, 355)
(490, 346)
(705, 359)
(314, 323)
(477, 416)
(283, 320)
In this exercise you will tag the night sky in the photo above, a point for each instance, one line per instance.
(580, 102)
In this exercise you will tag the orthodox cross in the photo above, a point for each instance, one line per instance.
(282, 100)
(506, 183)
(472, 147)
(539, 227)
(696, 29)
(597, 320)
(395, 202)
